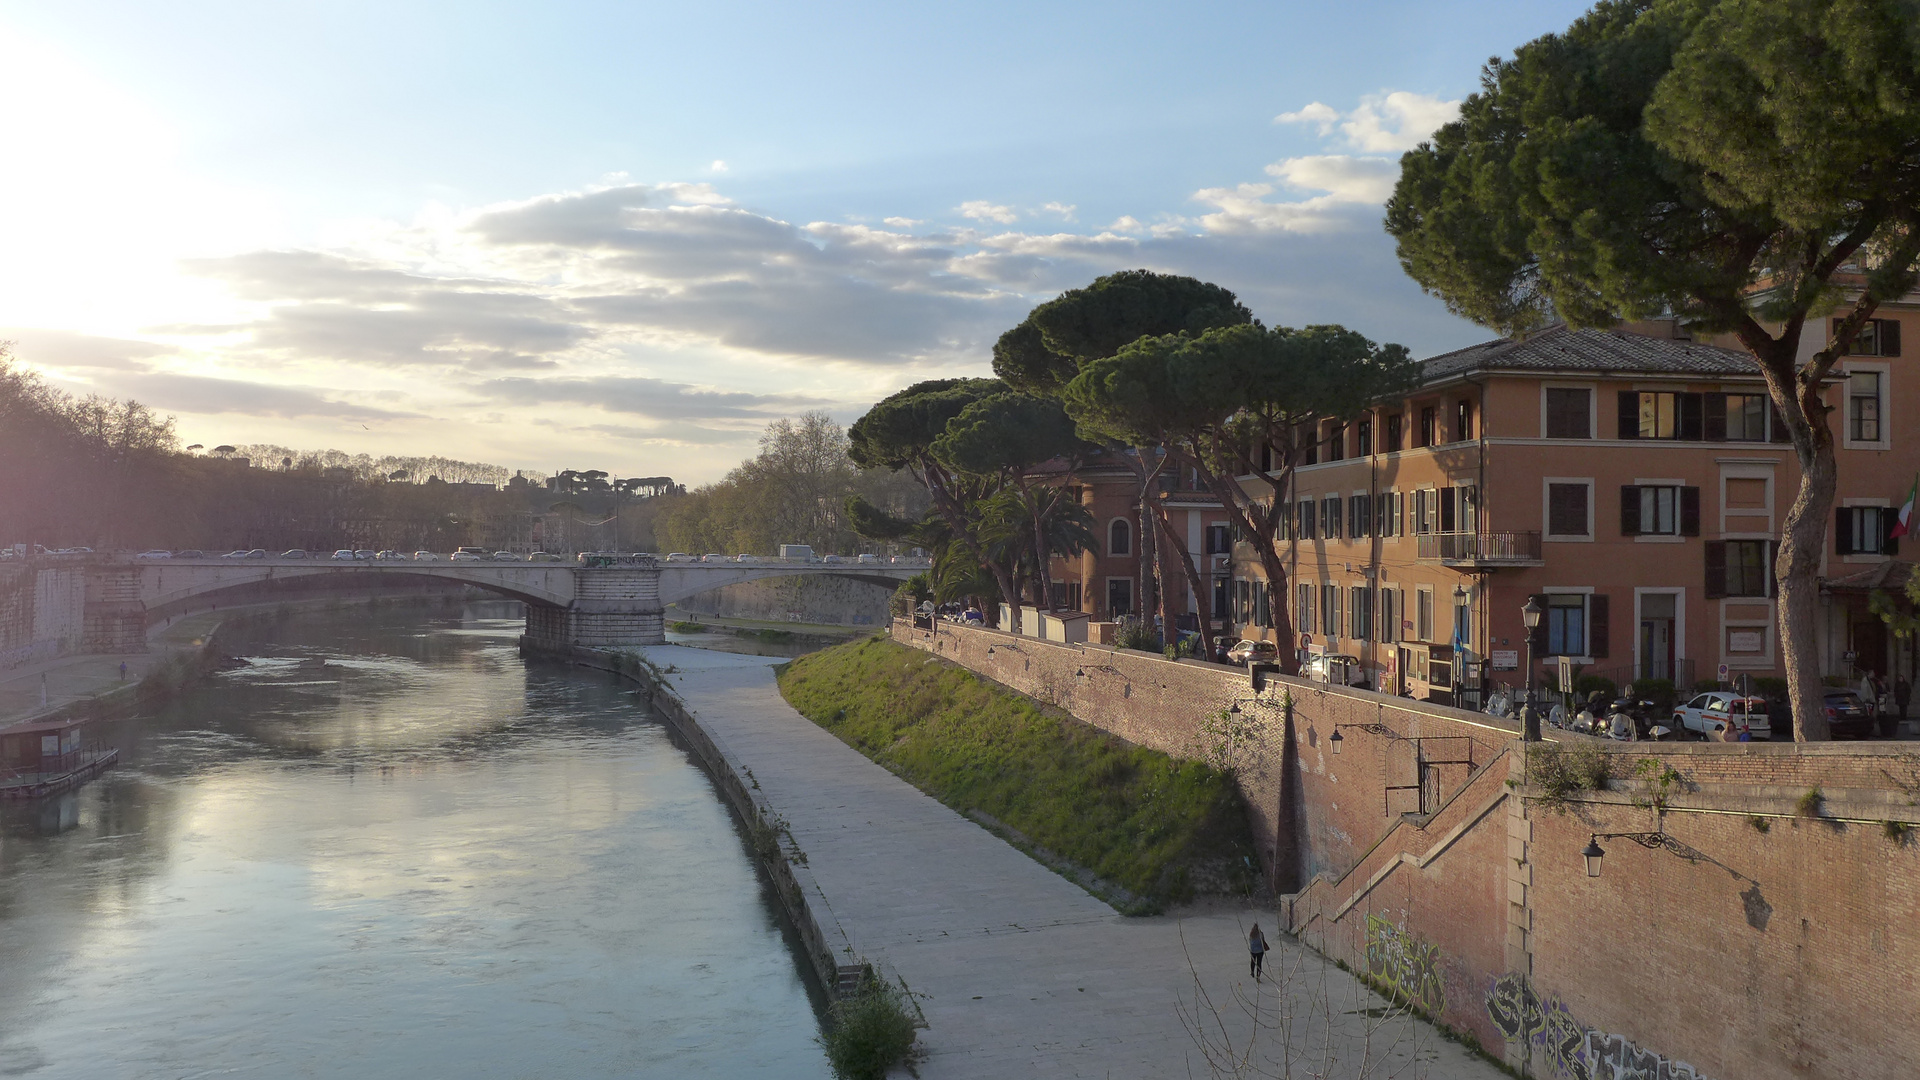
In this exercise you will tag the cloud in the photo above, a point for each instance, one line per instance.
(67, 349)
(203, 395)
(901, 222)
(654, 399)
(982, 210)
(1346, 179)
(1380, 124)
(1065, 210)
(717, 166)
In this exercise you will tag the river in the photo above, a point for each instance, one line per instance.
(388, 847)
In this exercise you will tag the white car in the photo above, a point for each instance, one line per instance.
(463, 556)
(746, 558)
(867, 558)
(1719, 715)
(425, 556)
(156, 553)
(714, 556)
(505, 556)
(343, 555)
(388, 556)
(681, 556)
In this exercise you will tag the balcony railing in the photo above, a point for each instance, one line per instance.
(1481, 549)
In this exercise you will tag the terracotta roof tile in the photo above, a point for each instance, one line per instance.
(1562, 349)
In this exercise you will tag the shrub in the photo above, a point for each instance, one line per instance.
(868, 1033)
(1558, 771)
(685, 627)
(1584, 685)
(1134, 633)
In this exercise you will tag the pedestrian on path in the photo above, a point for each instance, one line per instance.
(1257, 950)
(123, 671)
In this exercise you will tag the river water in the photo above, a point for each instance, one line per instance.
(388, 847)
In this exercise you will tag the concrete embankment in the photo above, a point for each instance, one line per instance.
(1017, 971)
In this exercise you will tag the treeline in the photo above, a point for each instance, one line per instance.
(107, 474)
(794, 491)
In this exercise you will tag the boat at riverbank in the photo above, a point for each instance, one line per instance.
(47, 758)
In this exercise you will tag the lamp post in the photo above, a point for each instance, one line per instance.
(1530, 716)
(1462, 640)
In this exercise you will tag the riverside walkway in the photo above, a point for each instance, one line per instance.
(1019, 972)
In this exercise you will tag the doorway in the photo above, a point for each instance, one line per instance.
(1870, 647)
(1656, 635)
(1119, 597)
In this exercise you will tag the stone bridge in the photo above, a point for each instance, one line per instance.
(619, 602)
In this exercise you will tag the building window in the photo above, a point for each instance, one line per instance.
(1303, 609)
(1423, 614)
(1330, 517)
(1222, 589)
(1429, 425)
(1737, 417)
(1569, 413)
(1388, 615)
(1262, 607)
(1330, 609)
(1119, 538)
(1659, 510)
(1337, 442)
(1066, 596)
(1879, 337)
(1390, 441)
(1219, 542)
(1739, 568)
(1307, 531)
(1567, 510)
(1358, 519)
(1661, 415)
(1363, 437)
(1387, 513)
(1863, 406)
(1566, 624)
(1309, 435)
(1864, 530)
(1360, 613)
(1462, 420)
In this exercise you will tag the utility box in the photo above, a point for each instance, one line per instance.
(797, 552)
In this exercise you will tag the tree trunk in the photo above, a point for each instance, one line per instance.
(1796, 568)
(1202, 600)
(1277, 587)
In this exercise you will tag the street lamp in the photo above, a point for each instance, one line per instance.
(1593, 854)
(1530, 614)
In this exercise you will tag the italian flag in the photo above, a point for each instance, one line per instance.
(1904, 525)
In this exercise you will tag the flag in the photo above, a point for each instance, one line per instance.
(1904, 524)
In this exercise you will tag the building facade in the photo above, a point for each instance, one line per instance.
(1633, 479)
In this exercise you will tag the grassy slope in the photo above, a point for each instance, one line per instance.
(1135, 817)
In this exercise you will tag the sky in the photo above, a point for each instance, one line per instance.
(628, 236)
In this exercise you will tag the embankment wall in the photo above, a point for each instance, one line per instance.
(827, 946)
(1764, 933)
(821, 599)
(42, 612)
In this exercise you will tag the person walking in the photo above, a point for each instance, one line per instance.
(1256, 950)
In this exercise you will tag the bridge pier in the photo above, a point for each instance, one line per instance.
(611, 606)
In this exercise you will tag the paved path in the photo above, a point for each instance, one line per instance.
(37, 689)
(1019, 972)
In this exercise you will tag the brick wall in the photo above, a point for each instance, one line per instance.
(1732, 953)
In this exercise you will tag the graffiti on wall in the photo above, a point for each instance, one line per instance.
(1569, 1048)
(1405, 965)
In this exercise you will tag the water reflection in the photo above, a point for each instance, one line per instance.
(393, 849)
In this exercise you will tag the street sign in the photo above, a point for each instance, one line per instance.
(1723, 673)
(1506, 659)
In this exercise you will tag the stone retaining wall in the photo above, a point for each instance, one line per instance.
(1764, 934)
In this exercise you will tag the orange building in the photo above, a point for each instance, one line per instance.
(1632, 478)
(1106, 583)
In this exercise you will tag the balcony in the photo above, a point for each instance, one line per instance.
(1478, 550)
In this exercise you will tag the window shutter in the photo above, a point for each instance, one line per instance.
(1889, 518)
(1597, 625)
(1446, 510)
(1843, 530)
(1629, 414)
(1689, 511)
(1890, 337)
(1629, 510)
(1689, 406)
(1716, 569)
(1771, 550)
(1539, 636)
(1714, 417)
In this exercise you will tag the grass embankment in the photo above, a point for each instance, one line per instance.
(1158, 828)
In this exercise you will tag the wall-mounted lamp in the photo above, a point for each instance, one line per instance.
(1459, 595)
(1336, 739)
(1593, 853)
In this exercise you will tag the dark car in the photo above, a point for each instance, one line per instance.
(1848, 714)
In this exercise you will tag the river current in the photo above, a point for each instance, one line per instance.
(387, 846)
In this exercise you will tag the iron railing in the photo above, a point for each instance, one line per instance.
(1479, 547)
